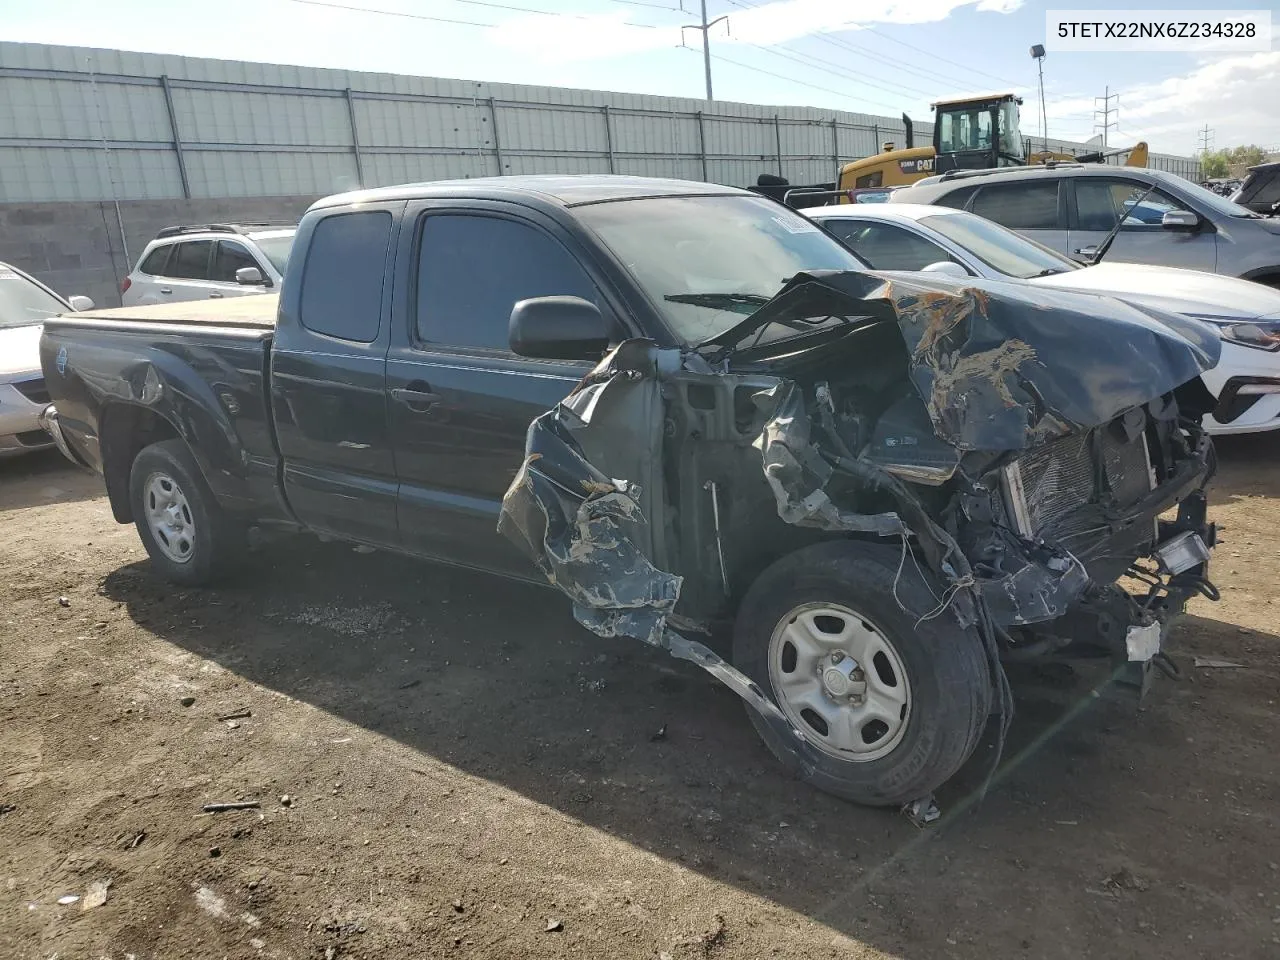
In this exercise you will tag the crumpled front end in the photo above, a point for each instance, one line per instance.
(1022, 469)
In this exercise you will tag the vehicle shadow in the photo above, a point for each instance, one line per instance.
(1247, 466)
(42, 478)
(496, 679)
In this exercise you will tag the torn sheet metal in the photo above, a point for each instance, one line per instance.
(1004, 366)
(798, 475)
(576, 524)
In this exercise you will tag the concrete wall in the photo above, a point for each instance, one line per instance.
(76, 248)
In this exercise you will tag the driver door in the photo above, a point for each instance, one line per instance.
(1098, 201)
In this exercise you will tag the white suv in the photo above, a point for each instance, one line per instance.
(209, 260)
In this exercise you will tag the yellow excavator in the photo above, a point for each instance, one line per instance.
(969, 133)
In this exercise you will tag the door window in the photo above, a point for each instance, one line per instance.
(1020, 206)
(342, 284)
(1100, 200)
(473, 269)
(887, 247)
(229, 258)
(190, 261)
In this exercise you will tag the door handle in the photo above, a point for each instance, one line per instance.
(166, 290)
(1089, 251)
(215, 295)
(417, 396)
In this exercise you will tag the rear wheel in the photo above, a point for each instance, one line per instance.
(892, 708)
(189, 537)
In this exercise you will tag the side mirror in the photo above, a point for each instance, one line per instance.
(249, 277)
(79, 303)
(559, 328)
(948, 267)
(1180, 220)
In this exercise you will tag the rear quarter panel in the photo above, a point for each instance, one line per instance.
(208, 383)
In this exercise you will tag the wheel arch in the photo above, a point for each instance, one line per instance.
(124, 430)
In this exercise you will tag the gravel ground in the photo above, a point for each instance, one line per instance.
(447, 766)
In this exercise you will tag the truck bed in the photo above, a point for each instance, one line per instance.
(257, 311)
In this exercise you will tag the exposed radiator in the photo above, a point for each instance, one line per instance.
(1052, 482)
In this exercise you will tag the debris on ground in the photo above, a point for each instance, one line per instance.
(286, 800)
(660, 734)
(1124, 879)
(922, 812)
(95, 895)
(187, 701)
(1212, 662)
(64, 601)
(232, 805)
(554, 926)
(67, 899)
(237, 715)
(215, 851)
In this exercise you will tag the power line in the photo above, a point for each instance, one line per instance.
(469, 23)
(836, 72)
(802, 83)
(1206, 139)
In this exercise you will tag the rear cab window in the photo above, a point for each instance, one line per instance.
(473, 268)
(343, 275)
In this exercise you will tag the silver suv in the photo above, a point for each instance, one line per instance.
(1072, 207)
(209, 260)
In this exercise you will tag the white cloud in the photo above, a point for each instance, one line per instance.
(1234, 95)
(607, 35)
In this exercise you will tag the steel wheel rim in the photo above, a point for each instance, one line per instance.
(840, 681)
(169, 518)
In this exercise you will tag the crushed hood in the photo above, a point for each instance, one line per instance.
(1190, 292)
(1002, 365)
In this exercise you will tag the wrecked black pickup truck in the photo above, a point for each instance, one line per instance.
(700, 417)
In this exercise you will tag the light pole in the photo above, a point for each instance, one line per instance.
(1037, 52)
(705, 27)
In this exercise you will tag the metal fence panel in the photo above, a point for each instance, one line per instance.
(84, 124)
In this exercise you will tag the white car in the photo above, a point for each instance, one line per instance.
(209, 261)
(25, 303)
(1246, 381)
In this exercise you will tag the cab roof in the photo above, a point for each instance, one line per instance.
(568, 191)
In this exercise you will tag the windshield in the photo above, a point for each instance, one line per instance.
(276, 249)
(23, 302)
(1220, 205)
(1001, 249)
(964, 129)
(727, 253)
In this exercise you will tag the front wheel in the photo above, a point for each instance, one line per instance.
(892, 707)
(190, 539)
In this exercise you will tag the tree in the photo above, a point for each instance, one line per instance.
(1214, 165)
(1244, 157)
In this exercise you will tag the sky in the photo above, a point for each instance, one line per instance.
(868, 56)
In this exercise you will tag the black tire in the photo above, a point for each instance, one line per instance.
(946, 665)
(218, 540)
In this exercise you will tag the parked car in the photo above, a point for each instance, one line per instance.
(754, 431)
(209, 261)
(1071, 208)
(25, 303)
(1246, 381)
(1260, 191)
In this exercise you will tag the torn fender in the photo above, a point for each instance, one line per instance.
(1002, 365)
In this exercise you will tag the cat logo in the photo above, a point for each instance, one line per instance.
(916, 166)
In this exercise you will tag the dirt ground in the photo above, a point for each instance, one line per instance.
(465, 768)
